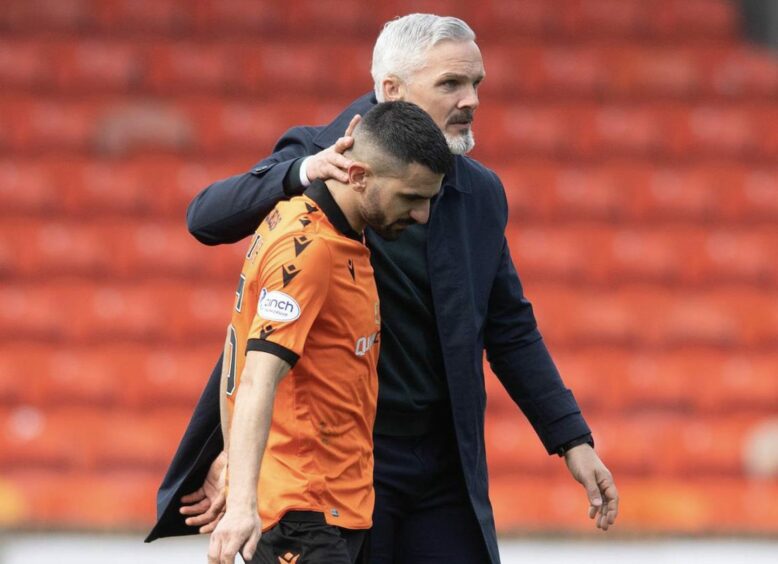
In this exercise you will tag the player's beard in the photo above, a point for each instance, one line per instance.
(460, 144)
(375, 217)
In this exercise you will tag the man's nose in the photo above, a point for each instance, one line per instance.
(470, 99)
(421, 214)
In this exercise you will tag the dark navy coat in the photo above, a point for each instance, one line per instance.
(479, 305)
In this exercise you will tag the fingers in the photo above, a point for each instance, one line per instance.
(196, 508)
(211, 516)
(223, 548)
(611, 495)
(593, 493)
(352, 125)
(193, 497)
(209, 527)
(606, 514)
(329, 164)
(214, 549)
(251, 545)
(342, 144)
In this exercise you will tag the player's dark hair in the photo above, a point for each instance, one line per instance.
(407, 133)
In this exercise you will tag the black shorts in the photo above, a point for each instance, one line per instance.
(304, 537)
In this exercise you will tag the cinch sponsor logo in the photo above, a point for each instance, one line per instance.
(364, 344)
(277, 306)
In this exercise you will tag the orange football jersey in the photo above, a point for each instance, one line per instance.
(307, 295)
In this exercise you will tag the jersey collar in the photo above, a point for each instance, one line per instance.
(319, 193)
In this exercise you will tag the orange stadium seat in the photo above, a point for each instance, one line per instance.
(118, 499)
(715, 19)
(170, 377)
(138, 439)
(166, 16)
(652, 316)
(95, 64)
(302, 68)
(512, 445)
(23, 64)
(92, 375)
(46, 15)
(193, 66)
(740, 71)
(242, 17)
(34, 437)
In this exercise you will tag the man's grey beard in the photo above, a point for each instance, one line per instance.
(460, 144)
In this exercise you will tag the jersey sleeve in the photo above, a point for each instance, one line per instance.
(293, 282)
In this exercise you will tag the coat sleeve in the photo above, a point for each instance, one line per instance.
(519, 358)
(229, 210)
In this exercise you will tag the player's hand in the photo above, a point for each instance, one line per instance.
(588, 469)
(205, 506)
(238, 531)
(330, 163)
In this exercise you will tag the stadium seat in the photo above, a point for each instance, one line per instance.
(193, 66)
(118, 499)
(92, 65)
(138, 440)
(23, 65)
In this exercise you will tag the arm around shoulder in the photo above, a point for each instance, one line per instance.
(230, 209)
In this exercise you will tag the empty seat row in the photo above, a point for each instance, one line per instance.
(237, 69)
(710, 19)
(610, 71)
(668, 253)
(701, 380)
(649, 505)
(248, 67)
(79, 500)
(521, 503)
(632, 192)
(122, 126)
(657, 443)
(670, 131)
(78, 310)
(132, 376)
(116, 249)
(655, 316)
(607, 380)
(562, 251)
(155, 186)
(75, 437)
(95, 311)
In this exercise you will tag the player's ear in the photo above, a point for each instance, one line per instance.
(357, 175)
(393, 88)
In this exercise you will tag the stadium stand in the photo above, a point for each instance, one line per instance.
(637, 142)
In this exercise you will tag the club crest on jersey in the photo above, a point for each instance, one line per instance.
(273, 219)
(277, 306)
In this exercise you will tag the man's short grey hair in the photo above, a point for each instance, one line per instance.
(403, 43)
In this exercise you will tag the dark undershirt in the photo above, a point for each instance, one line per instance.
(413, 385)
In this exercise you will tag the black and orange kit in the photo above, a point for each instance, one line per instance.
(307, 295)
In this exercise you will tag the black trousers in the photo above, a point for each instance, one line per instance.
(423, 513)
(304, 537)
